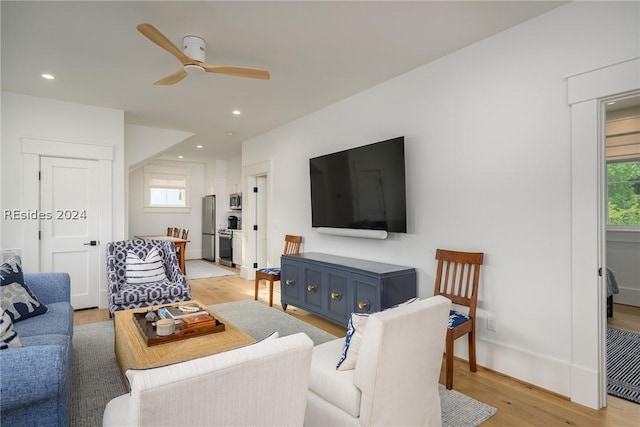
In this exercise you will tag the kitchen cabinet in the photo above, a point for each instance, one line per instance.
(236, 245)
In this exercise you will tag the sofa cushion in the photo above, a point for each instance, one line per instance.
(49, 339)
(157, 291)
(149, 269)
(330, 384)
(57, 320)
(17, 299)
(8, 336)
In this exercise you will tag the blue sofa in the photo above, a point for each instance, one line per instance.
(35, 379)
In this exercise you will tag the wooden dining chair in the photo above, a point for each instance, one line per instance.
(457, 278)
(180, 233)
(291, 246)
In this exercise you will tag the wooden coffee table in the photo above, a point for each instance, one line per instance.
(132, 351)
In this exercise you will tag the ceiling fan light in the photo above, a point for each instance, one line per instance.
(194, 69)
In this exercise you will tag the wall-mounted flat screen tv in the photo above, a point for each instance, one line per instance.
(360, 188)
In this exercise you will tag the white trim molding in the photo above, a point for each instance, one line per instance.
(32, 149)
(586, 92)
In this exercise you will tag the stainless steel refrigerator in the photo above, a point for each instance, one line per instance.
(209, 228)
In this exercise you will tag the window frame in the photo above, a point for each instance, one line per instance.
(157, 171)
(619, 227)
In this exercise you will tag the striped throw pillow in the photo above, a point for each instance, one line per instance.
(142, 271)
(9, 337)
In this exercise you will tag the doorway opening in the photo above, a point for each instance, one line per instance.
(257, 205)
(622, 227)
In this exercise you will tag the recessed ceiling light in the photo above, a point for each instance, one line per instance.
(181, 157)
(236, 112)
(198, 146)
(230, 133)
(48, 76)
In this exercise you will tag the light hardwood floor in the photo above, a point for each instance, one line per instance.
(518, 403)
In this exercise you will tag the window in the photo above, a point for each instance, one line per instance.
(623, 163)
(166, 189)
(623, 181)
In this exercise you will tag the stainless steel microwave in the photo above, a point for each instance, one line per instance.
(235, 201)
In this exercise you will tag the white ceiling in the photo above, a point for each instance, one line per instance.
(317, 53)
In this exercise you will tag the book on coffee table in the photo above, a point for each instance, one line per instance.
(199, 319)
(180, 311)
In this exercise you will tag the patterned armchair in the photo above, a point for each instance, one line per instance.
(124, 295)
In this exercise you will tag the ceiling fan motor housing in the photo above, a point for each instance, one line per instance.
(193, 47)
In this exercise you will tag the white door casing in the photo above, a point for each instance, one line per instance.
(33, 149)
(586, 92)
(69, 200)
(261, 221)
(250, 175)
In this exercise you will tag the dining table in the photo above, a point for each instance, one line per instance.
(178, 242)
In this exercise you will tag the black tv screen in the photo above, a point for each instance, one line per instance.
(361, 188)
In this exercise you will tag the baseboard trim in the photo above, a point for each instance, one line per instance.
(547, 373)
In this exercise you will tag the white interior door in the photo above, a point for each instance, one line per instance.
(69, 200)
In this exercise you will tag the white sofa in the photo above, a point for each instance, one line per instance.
(264, 384)
(395, 380)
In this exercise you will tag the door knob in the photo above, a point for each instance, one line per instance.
(91, 243)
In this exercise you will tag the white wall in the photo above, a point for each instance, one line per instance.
(143, 142)
(487, 134)
(149, 223)
(27, 116)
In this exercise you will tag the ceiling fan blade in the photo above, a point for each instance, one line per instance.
(153, 34)
(173, 78)
(254, 73)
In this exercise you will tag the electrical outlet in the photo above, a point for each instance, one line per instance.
(491, 322)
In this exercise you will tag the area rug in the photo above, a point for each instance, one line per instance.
(96, 377)
(259, 320)
(623, 364)
(200, 269)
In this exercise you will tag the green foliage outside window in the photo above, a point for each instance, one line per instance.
(624, 193)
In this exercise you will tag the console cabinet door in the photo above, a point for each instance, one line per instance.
(312, 288)
(367, 291)
(290, 283)
(337, 297)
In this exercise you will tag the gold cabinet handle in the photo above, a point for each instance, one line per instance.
(363, 305)
(335, 295)
(288, 282)
(311, 288)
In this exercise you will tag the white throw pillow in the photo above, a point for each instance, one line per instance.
(147, 270)
(355, 330)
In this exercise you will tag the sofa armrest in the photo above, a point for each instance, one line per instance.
(49, 287)
(31, 374)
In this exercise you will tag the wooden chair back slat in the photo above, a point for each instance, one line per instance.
(292, 245)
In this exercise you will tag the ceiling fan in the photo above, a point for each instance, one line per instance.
(192, 58)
